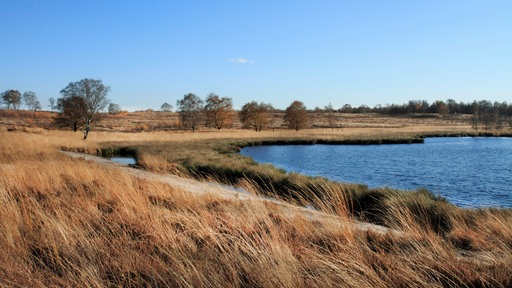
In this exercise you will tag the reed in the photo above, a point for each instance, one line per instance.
(219, 160)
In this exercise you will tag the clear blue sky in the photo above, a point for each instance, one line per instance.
(357, 52)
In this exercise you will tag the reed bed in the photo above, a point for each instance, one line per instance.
(68, 222)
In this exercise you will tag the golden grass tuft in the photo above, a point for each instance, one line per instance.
(69, 222)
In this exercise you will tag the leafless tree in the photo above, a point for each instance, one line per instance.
(114, 108)
(12, 98)
(31, 101)
(52, 103)
(331, 116)
(255, 115)
(166, 107)
(296, 115)
(94, 94)
(219, 111)
(71, 110)
(191, 111)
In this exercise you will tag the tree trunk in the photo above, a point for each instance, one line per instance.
(87, 128)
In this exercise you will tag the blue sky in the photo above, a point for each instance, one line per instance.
(319, 52)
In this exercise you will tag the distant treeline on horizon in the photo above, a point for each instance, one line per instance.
(423, 106)
(12, 99)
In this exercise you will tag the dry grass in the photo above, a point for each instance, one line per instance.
(72, 223)
(164, 121)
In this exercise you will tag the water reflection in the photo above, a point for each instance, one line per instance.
(124, 160)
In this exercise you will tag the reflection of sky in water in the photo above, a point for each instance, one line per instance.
(470, 172)
(124, 160)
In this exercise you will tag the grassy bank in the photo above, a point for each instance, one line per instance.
(218, 159)
(67, 222)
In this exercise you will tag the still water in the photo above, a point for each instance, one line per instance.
(468, 171)
(124, 160)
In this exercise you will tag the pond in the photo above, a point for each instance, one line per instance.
(124, 160)
(468, 171)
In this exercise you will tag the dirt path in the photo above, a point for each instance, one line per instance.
(198, 187)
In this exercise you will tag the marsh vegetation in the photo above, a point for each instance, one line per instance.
(68, 222)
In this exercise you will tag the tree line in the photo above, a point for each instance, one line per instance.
(13, 99)
(485, 114)
(82, 101)
(424, 107)
(217, 112)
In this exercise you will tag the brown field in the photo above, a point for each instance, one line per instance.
(73, 223)
(165, 121)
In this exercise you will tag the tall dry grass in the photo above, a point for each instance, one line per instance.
(68, 222)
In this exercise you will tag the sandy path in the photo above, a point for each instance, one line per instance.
(197, 187)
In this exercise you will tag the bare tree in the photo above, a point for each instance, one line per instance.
(331, 116)
(191, 111)
(297, 116)
(31, 101)
(347, 108)
(114, 108)
(274, 119)
(475, 119)
(439, 107)
(71, 111)
(12, 98)
(255, 116)
(94, 94)
(52, 103)
(219, 111)
(166, 107)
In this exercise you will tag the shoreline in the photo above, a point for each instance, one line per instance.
(206, 157)
(412, 182)
(418, 139)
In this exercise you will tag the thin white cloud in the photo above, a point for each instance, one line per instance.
(240, 60)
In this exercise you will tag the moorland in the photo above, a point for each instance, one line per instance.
(69, 222)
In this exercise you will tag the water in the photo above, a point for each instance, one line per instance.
(124, 160)
(469, 172)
